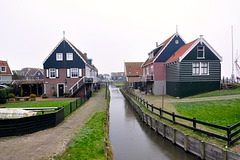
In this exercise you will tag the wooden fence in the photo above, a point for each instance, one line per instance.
(20, 126)
(231, 135)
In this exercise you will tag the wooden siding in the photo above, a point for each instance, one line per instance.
(182, 72)
(64, 48)
(170, 49)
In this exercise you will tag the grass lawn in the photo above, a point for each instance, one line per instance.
(118, 83)
(29, 104)
(221, 112)
(89, 142)
(218, 93)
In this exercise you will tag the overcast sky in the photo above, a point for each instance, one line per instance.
(111, 31)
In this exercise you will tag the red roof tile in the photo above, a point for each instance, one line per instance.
(4, 63)
(134, 68)
(180, 51)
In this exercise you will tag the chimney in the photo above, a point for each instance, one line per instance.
(85, 54)
(156, 44)
(90, 60)
(201, 38)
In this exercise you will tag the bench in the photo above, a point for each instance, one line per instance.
(24, 98)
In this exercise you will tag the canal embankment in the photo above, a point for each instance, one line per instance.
(189, 143)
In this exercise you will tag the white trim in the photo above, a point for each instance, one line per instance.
(59, 56)
(176, 34)
(194, 45)
(67, 58)
(58, 90)
(5, 69)
(68, 73)
(200, 69)
(50, 73)
(77, 71)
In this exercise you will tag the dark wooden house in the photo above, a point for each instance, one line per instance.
(194, 68)
(68, 70)
(154, 73)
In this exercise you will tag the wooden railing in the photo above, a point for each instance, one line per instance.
(231, 131)
(76, 86)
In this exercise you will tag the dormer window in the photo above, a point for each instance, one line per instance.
(176, 41)
(200, 52)
(3, 69)
(150, 55)
(59, 56)
(69, 56)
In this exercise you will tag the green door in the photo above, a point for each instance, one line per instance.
(60, 90)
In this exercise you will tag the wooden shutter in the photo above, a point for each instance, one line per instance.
(80, 72)
(47, 73)
(57, 73)
(68, 73)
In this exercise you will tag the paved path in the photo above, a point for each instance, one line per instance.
(48, 143)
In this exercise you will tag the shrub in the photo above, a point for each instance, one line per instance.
(54, 93)
(44, 96)
(3, 96)
(11, 95)
(32, 96)
(66, 94)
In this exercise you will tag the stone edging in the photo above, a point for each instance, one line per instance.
(189, 143)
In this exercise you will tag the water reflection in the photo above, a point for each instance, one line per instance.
(132, 139)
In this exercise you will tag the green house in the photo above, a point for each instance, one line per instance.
(193, 69)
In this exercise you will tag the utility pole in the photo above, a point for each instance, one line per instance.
(233, 77)
(106, 90)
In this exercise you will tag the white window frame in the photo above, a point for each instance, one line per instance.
(76, 72)
(201, 50)
(130, 84)
(5, 70)
(52, 73)
(147, 70)
(151, 70)
(200, 67)
(69, 56)
(59, 56)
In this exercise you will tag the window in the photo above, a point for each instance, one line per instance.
(52, 73)
(200, 68)
(200, 52)
(204, 68)
(59, 56)
(147, 70)
(69, 56)
(3, 69)
(129, 73)
(176, 41)
(151, 70)
(74, 72)
(136, 72)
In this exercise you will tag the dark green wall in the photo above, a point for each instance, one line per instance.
(185, 89)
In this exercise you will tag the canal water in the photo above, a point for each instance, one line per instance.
(132, 139)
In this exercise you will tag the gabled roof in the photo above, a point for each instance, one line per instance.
(183, 51)
(79, 53)
(180, 51)
(8, 71)
(133, 67)
(162, 46)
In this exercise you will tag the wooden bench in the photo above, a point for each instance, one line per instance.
(24, 98)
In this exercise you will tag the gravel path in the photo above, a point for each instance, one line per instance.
(48, 143)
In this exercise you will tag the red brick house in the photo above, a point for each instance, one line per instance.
(5, 73)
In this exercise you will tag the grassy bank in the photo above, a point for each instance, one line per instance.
(219, 93)
(89, 142)
(29, 104)
(220, 112)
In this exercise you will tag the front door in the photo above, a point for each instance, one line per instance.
(60, 90)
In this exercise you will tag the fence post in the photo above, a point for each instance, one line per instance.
(173, 117)
(160, 110)
(229, 134)
(147, 104)
(144, 101)
(81, 100)
(70, 107)
(194, 122)
(152, 107)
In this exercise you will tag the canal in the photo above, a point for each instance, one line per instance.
(131, 139)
